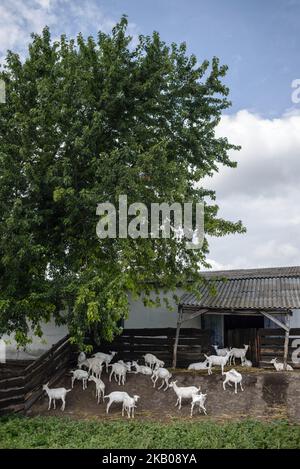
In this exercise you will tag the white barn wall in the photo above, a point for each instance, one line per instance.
(295, 319)
(51, 335)
(141, 316)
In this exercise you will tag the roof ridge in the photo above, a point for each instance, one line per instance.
(262, 272)
(295, 275)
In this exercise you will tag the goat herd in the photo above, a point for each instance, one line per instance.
(154, 368)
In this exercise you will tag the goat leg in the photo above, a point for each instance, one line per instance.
(167, 384)
(162, 383)
(108, 406)
(204, 410)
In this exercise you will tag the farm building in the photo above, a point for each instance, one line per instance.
(245, 308)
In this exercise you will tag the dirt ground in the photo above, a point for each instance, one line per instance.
(267, 395)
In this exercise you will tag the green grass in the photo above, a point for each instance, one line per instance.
(53, 432)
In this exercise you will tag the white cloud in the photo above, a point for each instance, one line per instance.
(269, 160)
(20, 18)
(218, 266)
(276, 250)
(44, 3)
(264, 191)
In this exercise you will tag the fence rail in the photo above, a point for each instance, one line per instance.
(134, 343)
(270, 345)
(18, 393)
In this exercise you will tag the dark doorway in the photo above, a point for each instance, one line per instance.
(240, 330)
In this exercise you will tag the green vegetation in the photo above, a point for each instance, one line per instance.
(53, 432)
(85, 121)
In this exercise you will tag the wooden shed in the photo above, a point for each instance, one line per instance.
(246, 300)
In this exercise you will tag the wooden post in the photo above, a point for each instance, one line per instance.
(286, 344)
(257, 347)
(179, 321)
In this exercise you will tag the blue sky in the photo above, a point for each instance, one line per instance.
(259, 41)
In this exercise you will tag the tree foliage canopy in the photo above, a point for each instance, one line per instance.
(85, 121)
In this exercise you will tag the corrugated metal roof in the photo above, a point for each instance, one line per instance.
(293, 271)
(265, 289)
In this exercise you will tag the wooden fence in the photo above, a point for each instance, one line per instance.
(19, 390)
(270, 345)
(134, 343)
(21, 382)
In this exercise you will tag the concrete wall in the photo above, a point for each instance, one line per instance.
(51, 335)
(295, 319)
(143, 317)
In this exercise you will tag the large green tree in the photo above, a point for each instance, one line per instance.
(86, 121)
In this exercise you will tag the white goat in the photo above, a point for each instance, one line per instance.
(247, 363)
(221, 352)
(85, 363)
(198, 366)
(183, 392)
(198, 399)
(238, 353)
(280, 366)
(93, 363)
(117, 396)
(143, 369)
(152, 361)
(164, 375)
(95, 368)
(129, 405)
(119, 371)
(81, 375)
(56, 393)
(126, 364)
(216, 360)
(100, 387)
(81, 358)
(232, 376)
(106, 357)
